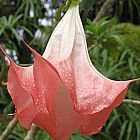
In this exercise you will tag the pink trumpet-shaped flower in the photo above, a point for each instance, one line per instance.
(91, 92)
(63, 92)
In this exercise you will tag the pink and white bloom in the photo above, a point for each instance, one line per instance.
(62, 92)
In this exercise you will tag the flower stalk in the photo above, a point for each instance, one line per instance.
(8, 129)
(31, 134)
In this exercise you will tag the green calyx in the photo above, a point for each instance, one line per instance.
(70, 3)
(76, 2)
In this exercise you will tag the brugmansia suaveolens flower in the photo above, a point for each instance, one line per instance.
(62, 92)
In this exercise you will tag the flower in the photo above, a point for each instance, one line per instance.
(62, 92)
(67, 51)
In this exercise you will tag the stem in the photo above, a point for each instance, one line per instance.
(30, 135)
(8, 129)
(76, 1)
(105, 9)
(3, 84)
(133, 102)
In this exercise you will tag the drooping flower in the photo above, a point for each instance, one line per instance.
(67, 51)
(63, 92)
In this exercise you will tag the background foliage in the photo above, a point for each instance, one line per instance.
(114, 49)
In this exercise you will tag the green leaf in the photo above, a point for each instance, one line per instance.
(122, 130)
(138, 130)
(27, 30)
(129, 130)
(15, 20)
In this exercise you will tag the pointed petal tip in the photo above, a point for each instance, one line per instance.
(4, 52)
(32, 50)
(134, 80)
(26, 44)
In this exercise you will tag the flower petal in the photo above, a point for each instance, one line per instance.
(27, 95)
(90, 90)
(18, 79)
(54, 99)
(96, 121)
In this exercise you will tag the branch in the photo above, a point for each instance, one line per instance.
(30, 135)
(133, 102)
(105, 9)
(8, 129)
(3, 83)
